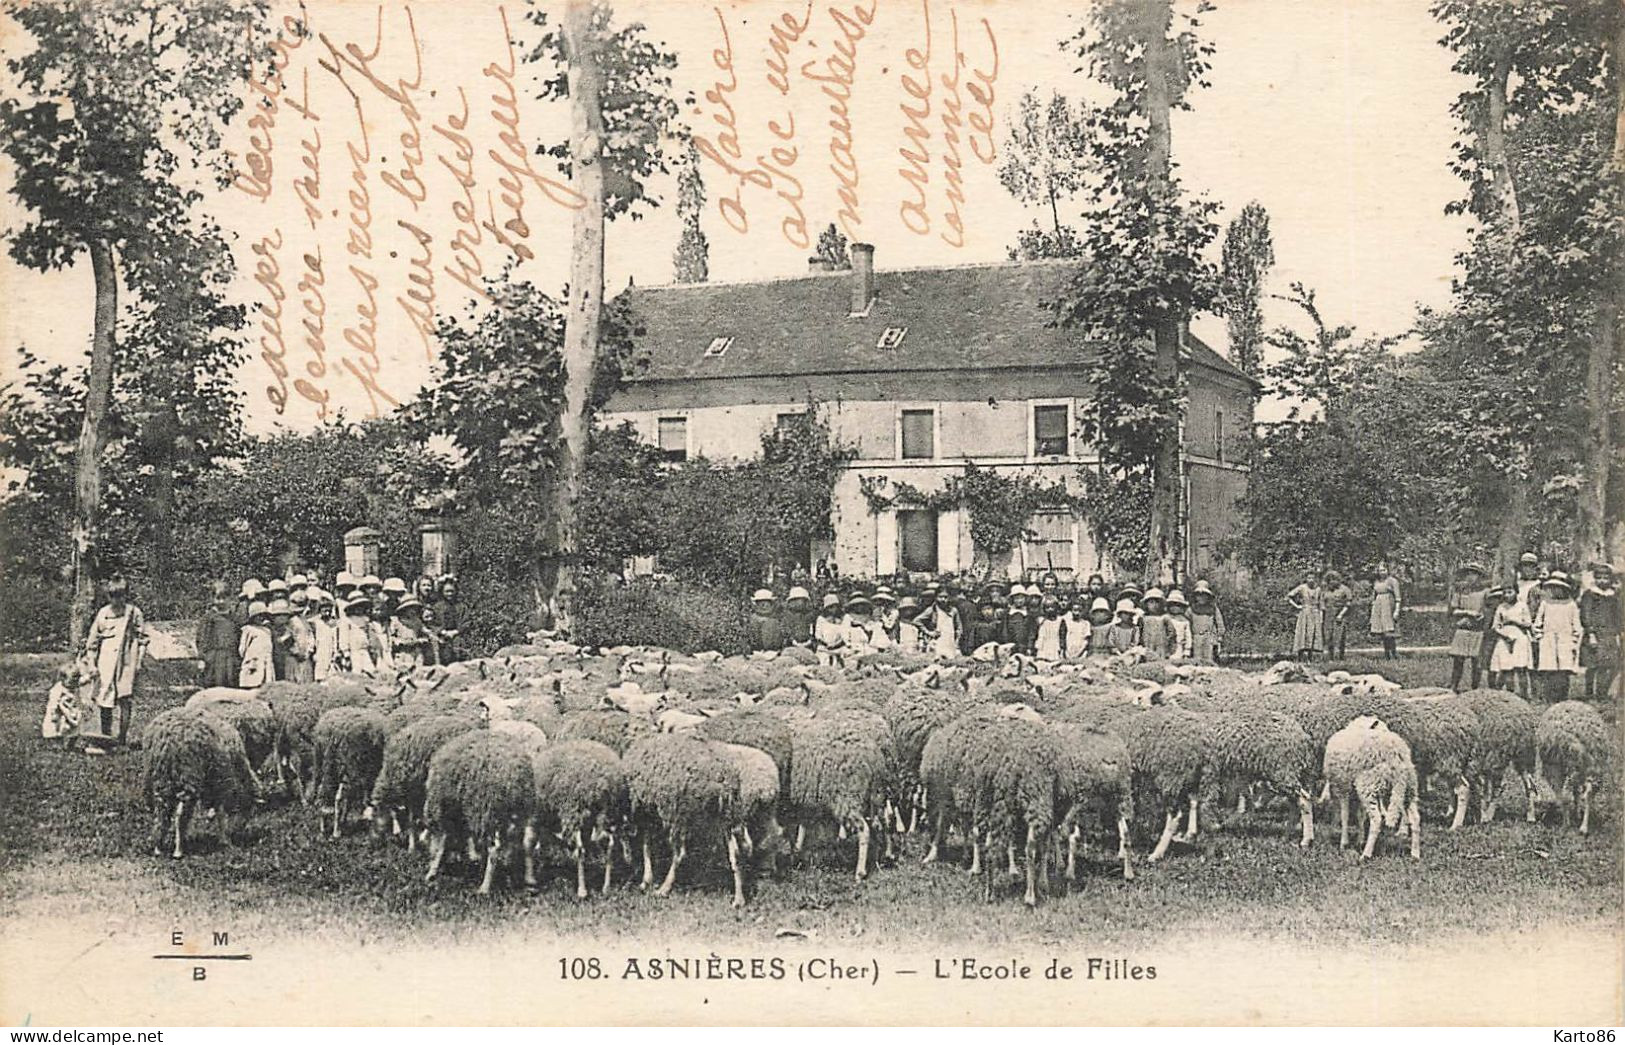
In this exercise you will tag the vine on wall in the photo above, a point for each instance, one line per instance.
(1000, 505)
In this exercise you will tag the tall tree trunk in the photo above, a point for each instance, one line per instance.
(1598, 539)
(92, 437)
(1162, 546)
(159, 451)
(1514, 497)
(585, 307)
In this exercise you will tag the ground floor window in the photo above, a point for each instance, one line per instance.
(917, 541)
(1049, 543)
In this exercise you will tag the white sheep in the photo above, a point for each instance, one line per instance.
(1367, 759)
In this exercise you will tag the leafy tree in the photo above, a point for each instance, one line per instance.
(689, 262)
(1145, 273)
(1046, 160)
(117, 97)
(1249, 254)
(832, 248)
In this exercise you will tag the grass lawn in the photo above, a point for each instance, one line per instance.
(74, 838)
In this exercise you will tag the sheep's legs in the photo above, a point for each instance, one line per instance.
(1343, 818)
(679, 849)
(976, 854)
(1306, 816)
(437, 853)
(491, 856)
(1172, 821)
(581, 866)
(527, 845)
(180, 830)
(223, 822)
(1031, 899)
(338, 808)
(739, 875)
(1463, 796)
(160, 826)
(1529, 791)
(1414, 817)
(1192, 825)
(609, 864)
(801, 836)
(648, 864)
(1373, 812)
(1010, 859)
(1585, 808)
(863, 848)
(937, 832)
(1123, 851)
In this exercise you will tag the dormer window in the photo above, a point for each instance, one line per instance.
(891, 337)
(717, 347)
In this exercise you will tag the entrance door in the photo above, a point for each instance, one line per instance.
(917, 541)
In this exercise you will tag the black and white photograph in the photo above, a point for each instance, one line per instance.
(522, 513)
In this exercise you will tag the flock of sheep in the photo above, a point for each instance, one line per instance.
(633, 756)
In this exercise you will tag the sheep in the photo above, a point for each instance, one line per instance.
(481, 790)
(193, 759)
(617, 729)
(221, 694)
(757, 728)
(842, 767)
(398, 792)
(297, 707)
(1017, 793)
(253, 720)
(1168, 749)
(913, 713)
(686, 786)
(1096, 780)
(1259, 745)
(581, 788)
(349, 750)
(955, 764)
(758, 830)
(1575, 751)
(1507, 726)
(1443, 732)
(1367, 759)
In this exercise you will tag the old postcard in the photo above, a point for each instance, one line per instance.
(787, 511)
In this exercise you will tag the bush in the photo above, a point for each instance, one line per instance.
(34, 614)
(655, 613)
(1259, 620)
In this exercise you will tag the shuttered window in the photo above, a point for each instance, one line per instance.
(919, 434)
(1048, 545)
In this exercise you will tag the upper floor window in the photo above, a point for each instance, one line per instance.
(1052, 426)
(919, 435)
(673, 438)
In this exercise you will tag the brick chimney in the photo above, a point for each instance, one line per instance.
(863, 277)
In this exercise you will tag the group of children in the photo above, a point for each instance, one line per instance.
(1533, 634)
(946, 618)
(293, 629)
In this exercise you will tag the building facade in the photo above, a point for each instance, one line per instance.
(921, 371)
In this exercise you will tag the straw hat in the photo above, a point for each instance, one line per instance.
(859, 602)
(1202, 588)
(832, 599)
(1154, 593)
(1528, 559)
(1176, 598)
(345, 579)
(1100, 604)
(280, 608)
(360, 602)
(252, 587)
(908, 602)
(257, 610)
(1125, 606)
(411, 602)
(798, 592)
(763, 595)
(395, 586)
(370, 581)
(277, 584)
(1557, 579)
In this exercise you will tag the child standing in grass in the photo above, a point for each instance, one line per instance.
(1557, 637)
(1156, 634)
(254, 648)
(1338, 598)
(1467, 610)
(1100, 625)
(1511, 625)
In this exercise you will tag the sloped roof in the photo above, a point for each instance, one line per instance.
(972, 317)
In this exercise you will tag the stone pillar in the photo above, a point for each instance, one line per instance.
(437, 549)
(361, 551)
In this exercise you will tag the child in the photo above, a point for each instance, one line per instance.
(300, 641)
(908, 633)
(324, 629)
(1180, 624)
(799, 618)
(985, 628)
(1509, 661)
(254, 648)
(1308, 639)
(355, 648)
(63, 708)
(1385, 608)
(1049, 641)
(1557, 637)
(1078, 631)
(830, 633)
(766, 631)
(1100, 625)
(1338, 597)
(409, 639)
(1600, 617)
(859, 626)
(1155, 633)
(217, 638)
(1467, 610)
(1018, 627)
(1207, 625)
(1124, 634)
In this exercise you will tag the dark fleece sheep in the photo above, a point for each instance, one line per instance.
(1168, 747)
(685, 787)
(843, 768)
(193, 759)
(253, 720)
(581, 792)
(1250, 745)
(349, 749)
(1576, 750)
(297, 707)
(398, 794)
(1443, 732)
(1506, 738)
(1018, 793)
(481, 791)
(1097, 784)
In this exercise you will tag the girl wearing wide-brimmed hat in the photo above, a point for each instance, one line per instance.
(254, 648)
(1510, 630)
(410, 643)
(355, 650)
(831, 632)
(1557, 636)
(799, 616)
(1467, 611)
(765, 627)
(1207, 624)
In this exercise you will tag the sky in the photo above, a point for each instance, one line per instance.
(1333, 115)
